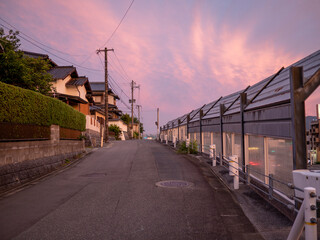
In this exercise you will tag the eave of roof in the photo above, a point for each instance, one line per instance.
(62, 96)
(40, 55)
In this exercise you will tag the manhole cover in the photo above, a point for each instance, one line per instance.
(174, 184)
(94, 175)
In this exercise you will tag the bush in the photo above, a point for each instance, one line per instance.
(135, 135)
(23, 106)
(116, 130)
(193, 147)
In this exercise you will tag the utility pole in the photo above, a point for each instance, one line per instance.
(132, 83)
(139, 106)
(132, 101)
(157, 123)
(106, 102)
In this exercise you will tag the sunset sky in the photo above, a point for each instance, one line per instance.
(182, 53)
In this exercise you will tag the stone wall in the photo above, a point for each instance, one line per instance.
(25, 160)
(93, 138)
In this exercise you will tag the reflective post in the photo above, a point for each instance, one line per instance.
(234, 170)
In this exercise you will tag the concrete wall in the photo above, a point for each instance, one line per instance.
(92, 123)
(23, 161)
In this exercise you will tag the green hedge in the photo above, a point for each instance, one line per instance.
(19, 105)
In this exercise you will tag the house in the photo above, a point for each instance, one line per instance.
(98, 109)
(71, 88)
(75, 91)
(98, 94)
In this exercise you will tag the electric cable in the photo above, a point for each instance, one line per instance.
(20, 32)
(118, 25)
(112, 33)
(89, 69)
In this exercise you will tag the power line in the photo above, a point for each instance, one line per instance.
(77, 65)
(118, 24)
(121, 65)
(38, 41)
(111, 34)
(118, 85)
(113, 88)
(100, 60)
(115, 70)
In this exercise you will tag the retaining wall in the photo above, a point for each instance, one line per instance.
(23, 161)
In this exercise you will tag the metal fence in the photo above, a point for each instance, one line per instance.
(304, 210)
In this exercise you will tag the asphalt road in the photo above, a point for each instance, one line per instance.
(111, 194)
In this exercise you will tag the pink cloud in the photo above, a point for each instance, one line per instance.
(183, 55)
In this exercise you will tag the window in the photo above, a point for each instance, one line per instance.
(206, 142)
(97, 99)
(228, 139)
(217, 142)
(280, 162)
(256, 156)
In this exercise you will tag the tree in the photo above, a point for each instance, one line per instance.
(19, 70)
(141, 128)
(126, 118)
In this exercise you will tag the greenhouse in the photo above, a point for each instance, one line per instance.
(263, 124)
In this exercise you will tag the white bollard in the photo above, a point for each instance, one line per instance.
(234, 170)
(213, 155)
(174, 142)
(310, 213)
(166, 139)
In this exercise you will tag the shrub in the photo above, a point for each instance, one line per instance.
(116, 130)
(23, 106)
(193, 147)
(135, 135)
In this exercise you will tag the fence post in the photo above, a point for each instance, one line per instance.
(270, 186)
(297, 227)
(310, 213)
(307, 217)
(220, 157)
(248, 174)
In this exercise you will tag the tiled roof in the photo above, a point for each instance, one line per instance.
(61, 72)
(35, 55)
(97, 86)
(100, 87)
(39, 55)
(80, 81)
